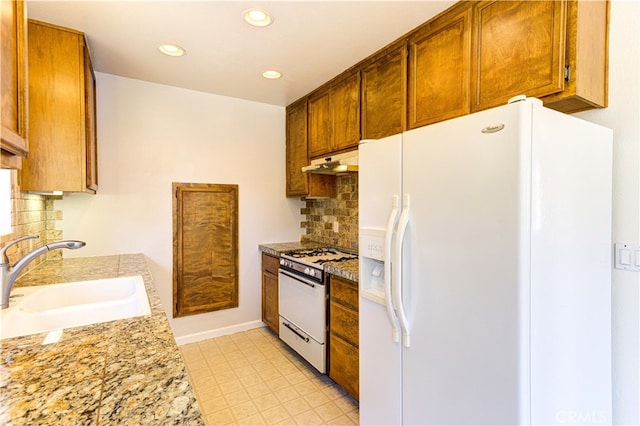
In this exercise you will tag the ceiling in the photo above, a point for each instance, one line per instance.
(310, 42)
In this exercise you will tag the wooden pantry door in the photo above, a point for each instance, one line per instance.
(205, 248)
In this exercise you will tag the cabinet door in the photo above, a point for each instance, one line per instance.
(383, 97)
(297, 181)
(205, 248)
(344, 365)
(518, 49)
(345, 111)
(270, 265)
(439, 68)
(13, 83)
(63, 152)
(586, 56)
(90, 122)
(320, 134)
(270, 300)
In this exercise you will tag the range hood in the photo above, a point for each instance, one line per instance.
(335, 164)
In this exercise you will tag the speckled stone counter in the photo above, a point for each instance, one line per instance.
(121, 372)
(347, 270)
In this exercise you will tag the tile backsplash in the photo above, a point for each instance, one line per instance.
(321, 214)
(32, 214)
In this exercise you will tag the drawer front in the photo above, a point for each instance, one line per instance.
(304, 344)
(344, 322)
(270, 263)
(344, 291)
(344, 364)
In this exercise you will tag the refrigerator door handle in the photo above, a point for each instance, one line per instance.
(397, 273)
(388, 301)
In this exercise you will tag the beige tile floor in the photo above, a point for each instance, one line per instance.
(252, 378)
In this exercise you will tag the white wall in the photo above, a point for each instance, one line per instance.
(151, 135)
(623, 116)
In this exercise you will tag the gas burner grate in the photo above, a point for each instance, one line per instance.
(312, 252)
(339, 259)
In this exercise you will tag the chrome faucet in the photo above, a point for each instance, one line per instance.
(8, 273)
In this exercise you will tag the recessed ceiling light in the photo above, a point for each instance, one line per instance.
(257, 17)
(172, 50)
(272, 74)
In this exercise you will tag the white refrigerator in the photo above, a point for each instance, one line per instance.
(485, 264)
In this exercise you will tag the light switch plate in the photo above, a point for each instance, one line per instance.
(627, 256)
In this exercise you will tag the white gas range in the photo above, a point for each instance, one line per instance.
(302, 301)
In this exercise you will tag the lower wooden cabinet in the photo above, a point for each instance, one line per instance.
(344, 360)
(270, 265)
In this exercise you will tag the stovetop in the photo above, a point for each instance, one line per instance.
(317, 257)
(309, 262)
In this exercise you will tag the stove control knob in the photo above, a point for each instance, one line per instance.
(306, 271)
(282, 261)
(312, 273)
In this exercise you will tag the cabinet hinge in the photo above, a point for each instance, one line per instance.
(567, 73)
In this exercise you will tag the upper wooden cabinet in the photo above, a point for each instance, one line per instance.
(586, 58)
(519, 49)
(334, 117)
(297, 182)
(62, 129)
(473, 56)
(345, 113)
(439, 67)
(13, 83)
(320, 129)
(383, 93)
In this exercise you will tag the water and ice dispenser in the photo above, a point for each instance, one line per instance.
(372, 264)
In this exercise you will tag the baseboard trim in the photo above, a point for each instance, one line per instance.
(210, 334)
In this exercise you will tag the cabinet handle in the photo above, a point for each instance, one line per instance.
(295, 277)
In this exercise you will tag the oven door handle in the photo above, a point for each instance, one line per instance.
(306, 339)
(297, 278)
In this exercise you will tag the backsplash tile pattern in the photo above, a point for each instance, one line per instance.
(320, 215)
(32, 214)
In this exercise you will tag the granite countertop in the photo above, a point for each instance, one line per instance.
(347, 269)
(121, 372)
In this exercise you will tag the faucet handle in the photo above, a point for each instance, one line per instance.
(4, 260)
